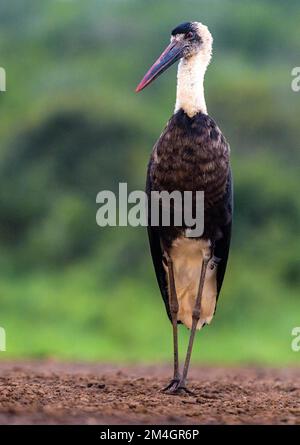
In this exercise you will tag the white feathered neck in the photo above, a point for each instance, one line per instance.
(190, 85)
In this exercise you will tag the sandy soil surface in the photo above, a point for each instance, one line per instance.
(65, 393)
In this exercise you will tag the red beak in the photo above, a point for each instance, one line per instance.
(171, 54)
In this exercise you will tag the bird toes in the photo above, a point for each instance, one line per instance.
(172, 385)
(175, 387)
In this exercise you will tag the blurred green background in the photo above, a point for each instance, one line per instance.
(71, 125)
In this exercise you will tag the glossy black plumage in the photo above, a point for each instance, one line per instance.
(192, 154)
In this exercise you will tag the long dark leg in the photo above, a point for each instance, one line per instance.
(195, 318)
(173, 303)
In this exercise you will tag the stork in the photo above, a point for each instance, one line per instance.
(191, 154)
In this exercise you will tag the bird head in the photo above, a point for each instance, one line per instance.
(187, 40)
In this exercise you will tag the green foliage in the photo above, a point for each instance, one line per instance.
(71, 126)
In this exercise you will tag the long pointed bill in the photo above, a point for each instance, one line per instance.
(171, 54)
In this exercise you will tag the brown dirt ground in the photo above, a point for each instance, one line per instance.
(63, 393)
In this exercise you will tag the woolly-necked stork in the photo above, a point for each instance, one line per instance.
(191, 154)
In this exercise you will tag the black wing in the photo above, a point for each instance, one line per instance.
(222, 245)
(156, 251)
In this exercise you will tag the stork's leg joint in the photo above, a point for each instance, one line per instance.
(196, 314)
(174, 307)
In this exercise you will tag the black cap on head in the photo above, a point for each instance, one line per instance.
(183, 28)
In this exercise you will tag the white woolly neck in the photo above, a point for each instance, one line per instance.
(190, 87)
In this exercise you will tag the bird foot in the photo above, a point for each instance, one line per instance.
(176, 387)
(173, 383)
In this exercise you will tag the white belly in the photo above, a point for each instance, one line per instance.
(187, 255)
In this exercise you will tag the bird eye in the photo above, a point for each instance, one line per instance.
(189, 35)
